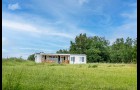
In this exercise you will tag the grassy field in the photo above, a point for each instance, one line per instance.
(27, 75)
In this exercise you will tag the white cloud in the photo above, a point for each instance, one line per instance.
(132, 15)
(57, 45)
(13, 6)
(19, 26)
(126, 30)
(61, 29)
(66, 35)
(36, 49)
(52, 37)
(128, 26)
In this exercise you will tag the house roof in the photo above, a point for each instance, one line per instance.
(58, 54)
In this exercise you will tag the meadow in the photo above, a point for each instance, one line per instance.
(28, 75)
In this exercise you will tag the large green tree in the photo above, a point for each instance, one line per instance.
(79, 45)
(98, 49)
(94, 47)
(123, 51)
(128, 50)
(117, 50)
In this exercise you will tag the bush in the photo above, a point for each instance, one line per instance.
(109, 66)
(92, 66)
(31, 57)
(89, 66)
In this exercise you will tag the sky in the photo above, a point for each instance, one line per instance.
(31, 26)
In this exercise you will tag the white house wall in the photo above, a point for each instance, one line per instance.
(38, 58)
(77, 59)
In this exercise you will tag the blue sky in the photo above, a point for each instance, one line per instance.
(30, 26)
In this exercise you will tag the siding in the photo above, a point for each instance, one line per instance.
(77, 59)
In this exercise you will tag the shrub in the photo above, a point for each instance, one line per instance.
(89, 66)
(31, 57)
(109, 66)
(94, 66)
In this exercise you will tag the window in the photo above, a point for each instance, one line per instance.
(73, 59)
(81, 59)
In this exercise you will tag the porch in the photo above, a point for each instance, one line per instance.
(55, 58)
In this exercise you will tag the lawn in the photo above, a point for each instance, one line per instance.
(27, 75)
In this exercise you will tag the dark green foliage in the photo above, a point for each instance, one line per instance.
(62, 51)
(92, 66)
(123, 51)
(80, 45)
(94, 47)
(31, 57)
(98, 49)
(109, 66)
(89, 66)
(134, 50)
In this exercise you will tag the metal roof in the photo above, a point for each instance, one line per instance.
(57, 54)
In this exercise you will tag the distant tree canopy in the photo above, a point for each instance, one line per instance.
(31, 57)
(62, 51)
(98, 49)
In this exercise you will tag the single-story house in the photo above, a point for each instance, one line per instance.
(60, 58)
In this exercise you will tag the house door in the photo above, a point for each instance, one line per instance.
(59, 59)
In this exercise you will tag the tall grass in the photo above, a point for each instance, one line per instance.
(27, 75)
(13, 80)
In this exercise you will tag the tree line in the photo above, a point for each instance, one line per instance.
(98, 49)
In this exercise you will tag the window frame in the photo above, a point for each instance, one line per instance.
(82, 59)
(73, 59)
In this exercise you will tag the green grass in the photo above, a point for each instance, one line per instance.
(27, 75)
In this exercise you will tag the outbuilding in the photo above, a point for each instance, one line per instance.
(60, 58)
